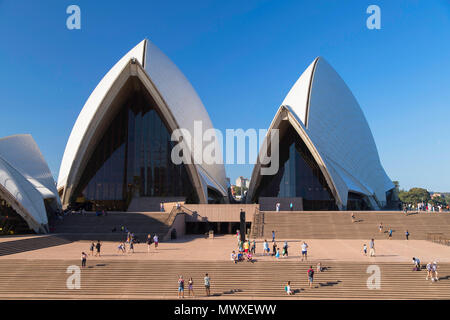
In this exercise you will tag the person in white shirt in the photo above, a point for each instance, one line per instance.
(434, 271)
(288, 288)
(429, 271)
(233, 257)
(155, 240)
(266, 248)
(304, 251)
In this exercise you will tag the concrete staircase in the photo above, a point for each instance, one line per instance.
(338, 225)
(34, 243)
(92, 227)
(158, 279)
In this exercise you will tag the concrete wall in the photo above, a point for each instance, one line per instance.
(218, 212)
(269, 203)
(179, 224)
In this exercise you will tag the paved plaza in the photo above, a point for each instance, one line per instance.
(195, 248)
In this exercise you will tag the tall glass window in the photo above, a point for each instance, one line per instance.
(10, 221)
(298, 175)
(133, 158)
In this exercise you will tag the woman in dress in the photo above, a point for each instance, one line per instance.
(191, 287)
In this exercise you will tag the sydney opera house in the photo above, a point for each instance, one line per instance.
(118, 155)
(327, 153)
(119, 150)
(27, 188)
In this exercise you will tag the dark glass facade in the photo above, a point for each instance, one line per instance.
(298, 175)
(133, 158)
(357, 201)
(10, 221)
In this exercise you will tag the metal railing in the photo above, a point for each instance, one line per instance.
(438, 238)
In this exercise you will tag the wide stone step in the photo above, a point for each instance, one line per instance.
(158, 279)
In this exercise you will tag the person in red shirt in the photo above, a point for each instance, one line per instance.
(310, 276)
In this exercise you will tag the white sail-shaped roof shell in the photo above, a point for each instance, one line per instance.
(25, 180)
(330, 121)
(173, 93)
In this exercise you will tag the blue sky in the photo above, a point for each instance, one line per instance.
(242, 57)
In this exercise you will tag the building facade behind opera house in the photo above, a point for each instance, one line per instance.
(118, 156)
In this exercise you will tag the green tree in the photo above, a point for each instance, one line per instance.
(439, 201)
(414, 195)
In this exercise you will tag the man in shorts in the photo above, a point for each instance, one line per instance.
(304, 251)
(207, 284)
(310, 276)
(434, 272)
(180, 287)
(429, 271)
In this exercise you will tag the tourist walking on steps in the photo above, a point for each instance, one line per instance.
(353, 217)
(266, 248)
(285, 249)
(98, 247)
(274, 249)
(207, 280)
(191, 287)
(92, 248)
(372, 248)
(83, 259)
(365, 249)
(273, 236)
(291, 206)
(156, 241)
(390, 234)
(380, 227)
(429, 274)
(434, 272)
(180, 287)
(310, 273)
(407, 235)
(253, 249)
(304, 251)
